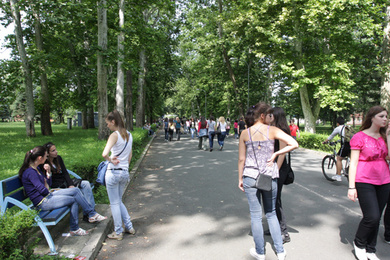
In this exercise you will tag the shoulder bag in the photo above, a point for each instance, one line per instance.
(102, 169)
(263, 182)
(290, 174)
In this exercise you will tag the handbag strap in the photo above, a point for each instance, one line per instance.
(123, 148)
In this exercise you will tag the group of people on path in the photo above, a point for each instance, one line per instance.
(262, 150)
(47, 182)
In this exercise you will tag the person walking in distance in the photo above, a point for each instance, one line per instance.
(345, 148)
(369, 178)
(221, 136)
(256, 156)
(202, 130)
(294, 129)
(235, 125)
(212, 126)
(118, 151)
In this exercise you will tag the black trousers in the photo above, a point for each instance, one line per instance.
(386, 220)
(372, 201)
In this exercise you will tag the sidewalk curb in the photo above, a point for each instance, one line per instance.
(92, 247)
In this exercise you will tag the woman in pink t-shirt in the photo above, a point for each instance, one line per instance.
(369, 178)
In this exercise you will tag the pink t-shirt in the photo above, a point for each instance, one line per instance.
(372, 167)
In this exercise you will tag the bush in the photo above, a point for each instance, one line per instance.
(15, 240)
(314, 142)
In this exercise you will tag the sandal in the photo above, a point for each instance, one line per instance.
(79, 232)
(97, 218)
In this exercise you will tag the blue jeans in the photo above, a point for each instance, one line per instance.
(116, 181)
(255, 196)
(68, 197)
(221, 138)
(211, 139)
(193, 131)
(86, 189)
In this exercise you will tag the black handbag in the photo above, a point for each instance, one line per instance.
(290, 174)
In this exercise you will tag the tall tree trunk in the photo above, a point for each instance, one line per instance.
(129, 101)
(102, 69)
(45, 115)
(385, 87)
(120, 82)
(30, 113)
(90, 117)
(228, 64)
(140, 118)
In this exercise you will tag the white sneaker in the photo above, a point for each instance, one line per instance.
(282, 256)
(336, 178)
(372, 256)
(253, 253)
(360, 253)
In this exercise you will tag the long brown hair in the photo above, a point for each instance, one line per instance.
(259, 109)
(55, 160)
(114, 115)
(372, 112)
(30, 157)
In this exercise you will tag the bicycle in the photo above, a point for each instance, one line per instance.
(329, 168)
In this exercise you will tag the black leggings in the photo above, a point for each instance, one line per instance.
(372, 200)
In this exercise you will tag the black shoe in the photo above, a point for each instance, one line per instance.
(86, 218)
(211, 149)
(286, 238)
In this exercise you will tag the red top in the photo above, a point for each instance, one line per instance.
(199, 126)
(293, 130)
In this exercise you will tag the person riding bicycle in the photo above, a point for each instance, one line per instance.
(345, 148)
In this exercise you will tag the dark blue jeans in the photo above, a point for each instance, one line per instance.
(211, 139)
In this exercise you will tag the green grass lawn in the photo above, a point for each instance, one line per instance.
(80, 149)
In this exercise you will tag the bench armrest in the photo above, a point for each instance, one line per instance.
(13, 201)
(74, 174)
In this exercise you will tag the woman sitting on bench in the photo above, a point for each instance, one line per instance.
(36, 185)
(61, 178)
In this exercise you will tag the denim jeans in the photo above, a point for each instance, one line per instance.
(255, 196)
(116, 181)
(211, 139)
(86, 189)
(166, 133)
(221, 138)
(193, 131)
(178, 134)
(235, 133)
(372, 201)
(68, 197)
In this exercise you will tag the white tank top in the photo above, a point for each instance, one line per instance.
(124, 156)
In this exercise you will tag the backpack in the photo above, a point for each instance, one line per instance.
(348, 133)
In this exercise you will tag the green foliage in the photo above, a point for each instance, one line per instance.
(314, 142)
(15, 239)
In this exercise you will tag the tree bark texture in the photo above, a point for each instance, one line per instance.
(140, 118)
(30, 113)
(45, 114)
(120, 82)
(385, 87)
(129, 101)
(102, 69)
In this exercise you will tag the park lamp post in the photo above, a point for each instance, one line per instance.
(205, 101)
(247, 102)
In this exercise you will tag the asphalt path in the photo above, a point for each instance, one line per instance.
(185, 204)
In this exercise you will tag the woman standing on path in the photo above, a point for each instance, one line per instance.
(278, 118)
(171, 128)
(212, 125)
(202, 130)
(369, 178)
(120, 145)
(256, 154)
(61, 178)
(235, 125)
(221, 136)
(36, 185)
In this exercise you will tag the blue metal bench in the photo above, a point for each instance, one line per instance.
(12, 194)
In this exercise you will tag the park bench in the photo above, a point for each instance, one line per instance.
(12, 194)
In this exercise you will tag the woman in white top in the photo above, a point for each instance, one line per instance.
(221, 136)
(120, 144)
(212, 126)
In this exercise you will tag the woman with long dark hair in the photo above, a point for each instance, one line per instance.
(256, 155)
(118, 151)
(61, 178)
(277, 117)
(369, 178)
(37, 183)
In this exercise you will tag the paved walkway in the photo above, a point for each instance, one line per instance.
(185, 204)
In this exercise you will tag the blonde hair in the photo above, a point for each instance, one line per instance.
(221, 119)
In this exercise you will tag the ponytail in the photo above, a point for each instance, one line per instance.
(30, 157)
(114, 115)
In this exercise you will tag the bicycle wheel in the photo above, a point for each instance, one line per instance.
(329, 167)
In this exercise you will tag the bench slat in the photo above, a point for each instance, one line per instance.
(54, 215)
(19, 195)
(11, 184)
